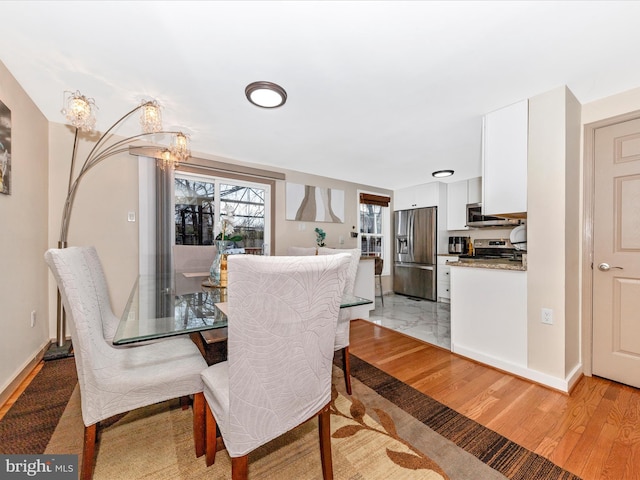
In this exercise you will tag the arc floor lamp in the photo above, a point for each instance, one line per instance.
(80, 113)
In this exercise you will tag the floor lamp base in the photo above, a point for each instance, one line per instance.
(55, 352)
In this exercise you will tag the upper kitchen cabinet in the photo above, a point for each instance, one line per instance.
(504, 178)
(459, 194)
(418, 196)
(474, 190)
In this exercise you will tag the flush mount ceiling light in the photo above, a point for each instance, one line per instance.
(266, 94)
(442, 173)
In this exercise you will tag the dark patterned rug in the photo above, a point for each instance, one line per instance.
(29, 424)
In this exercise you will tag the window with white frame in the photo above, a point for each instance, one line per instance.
(198, 201)
(374, 224)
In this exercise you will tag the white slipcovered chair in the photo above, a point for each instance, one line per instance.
(344, 321)
(282, 314)
(191, 259)
(115, 380)
(300, 251)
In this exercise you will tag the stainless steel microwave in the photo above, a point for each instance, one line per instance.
(476, 219)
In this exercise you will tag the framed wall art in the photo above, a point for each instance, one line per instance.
(5, 149)
(306, 203)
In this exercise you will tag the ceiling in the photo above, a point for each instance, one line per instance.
(381, 93)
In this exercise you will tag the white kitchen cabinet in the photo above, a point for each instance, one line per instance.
(423, 195)
(459, 194)
(474, 190)
(444, 277)
(504, 177)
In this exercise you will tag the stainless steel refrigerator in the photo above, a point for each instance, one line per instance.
(414, 266)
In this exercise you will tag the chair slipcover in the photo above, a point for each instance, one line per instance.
(109, 320)
(116, 380)
(378, 273)
(300, 251)
(282, 320)
(342, 332)
(191, 259)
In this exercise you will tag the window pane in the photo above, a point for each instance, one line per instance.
(371, 223)
(247, 205)
(194, 212)
(370, 218)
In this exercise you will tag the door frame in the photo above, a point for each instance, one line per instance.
(588, 179)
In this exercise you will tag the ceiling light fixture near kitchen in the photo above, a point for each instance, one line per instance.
(442, 173)
(266, 94)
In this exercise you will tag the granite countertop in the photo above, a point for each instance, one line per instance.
(495, 264)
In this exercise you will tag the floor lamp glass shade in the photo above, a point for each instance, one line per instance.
(79, 110)
(151, 117)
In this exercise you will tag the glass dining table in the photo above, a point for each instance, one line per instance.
(155, 310)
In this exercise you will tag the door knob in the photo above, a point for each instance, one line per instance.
(605, 267)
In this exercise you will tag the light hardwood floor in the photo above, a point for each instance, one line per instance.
(593, 433)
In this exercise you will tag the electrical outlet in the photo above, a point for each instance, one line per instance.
(547, 316)
(131, 216)
(33, 318)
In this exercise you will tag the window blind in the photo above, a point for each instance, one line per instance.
(371, 199)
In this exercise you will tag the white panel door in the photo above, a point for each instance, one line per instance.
(616, 267)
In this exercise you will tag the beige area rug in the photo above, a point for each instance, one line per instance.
(367, 443)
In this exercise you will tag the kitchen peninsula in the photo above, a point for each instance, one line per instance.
(489, 313)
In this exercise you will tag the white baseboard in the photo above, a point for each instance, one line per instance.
(562, 384)
(12, 385)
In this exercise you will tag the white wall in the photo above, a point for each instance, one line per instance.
(23, 241)
(619, 104)
(552, 214)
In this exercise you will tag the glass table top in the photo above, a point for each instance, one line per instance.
(155, 310)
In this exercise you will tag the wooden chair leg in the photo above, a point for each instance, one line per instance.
(346, 368)
(89, 451)
(210, 433)
(184, 402)
(324, 430)
(199, 428)
(239, 468)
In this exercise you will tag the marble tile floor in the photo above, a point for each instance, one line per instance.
(422, 319)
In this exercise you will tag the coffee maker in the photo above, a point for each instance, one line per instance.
(459, 245)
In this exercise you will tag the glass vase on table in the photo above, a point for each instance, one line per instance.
(218, 271)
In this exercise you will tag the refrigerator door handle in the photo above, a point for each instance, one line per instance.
(421, 267)
(410, 227)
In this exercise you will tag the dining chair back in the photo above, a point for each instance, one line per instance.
(115, 380)
(191, 260)
(301, 251)
(282, 315)
(344, 321)
(108, 319)
(378, 273)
